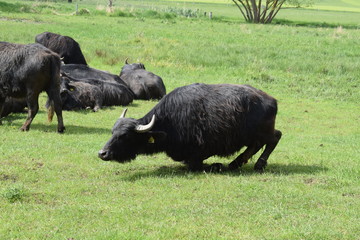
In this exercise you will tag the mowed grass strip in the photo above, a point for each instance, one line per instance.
(53, 186)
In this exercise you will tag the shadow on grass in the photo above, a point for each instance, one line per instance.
(272, 169)
(70, 129)
(90, 111)
(14, 117)
(313, 24)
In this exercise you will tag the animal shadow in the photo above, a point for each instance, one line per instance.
(272, 169)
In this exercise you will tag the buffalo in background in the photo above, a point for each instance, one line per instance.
(195, 122)
(94, 94)
(81, 95)
(26, 71)
(83, 72)
(13, 105)
(145, 85)
(68, 49)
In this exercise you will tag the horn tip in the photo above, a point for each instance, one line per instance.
(123, 113)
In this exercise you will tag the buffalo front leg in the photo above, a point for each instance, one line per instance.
(194, 165)
(270, 146)
(245, 156)
(33, 105)
(197, 166)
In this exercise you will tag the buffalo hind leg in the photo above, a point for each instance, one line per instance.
(215, 168)
(245, 156)
(33, 105)
(194, 166)
(270, 146)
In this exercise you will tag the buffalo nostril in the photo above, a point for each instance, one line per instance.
(102, 154)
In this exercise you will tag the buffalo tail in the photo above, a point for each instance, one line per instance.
(50, 110)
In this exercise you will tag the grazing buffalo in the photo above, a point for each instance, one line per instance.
(26, 71)
(68, 49)
(90, 93)
(195, 122)
(79, 71)
(144, 84)
(13, 105)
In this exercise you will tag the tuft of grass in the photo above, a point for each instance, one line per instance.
(83, 11)
(14, 193)
(120, 13)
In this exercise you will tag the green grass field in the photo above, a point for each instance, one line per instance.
(342, 5)
(53, 186)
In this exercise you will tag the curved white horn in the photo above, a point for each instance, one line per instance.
(147, 127)
(123, 113)
(126, 60)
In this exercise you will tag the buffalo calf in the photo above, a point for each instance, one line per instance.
(81, 95)
(84, 93)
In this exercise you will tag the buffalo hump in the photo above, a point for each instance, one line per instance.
(145, 85)
(68, 49)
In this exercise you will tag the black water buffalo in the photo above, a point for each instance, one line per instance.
(195, 122)
(13, 105)
(145, 85)
(91, 93)
(26, 71)
(79, 71)
(81, 95)
(68, 49)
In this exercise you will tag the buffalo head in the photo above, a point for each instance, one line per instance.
(132, 66)
(128, 139)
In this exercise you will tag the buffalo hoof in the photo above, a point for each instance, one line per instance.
(215, 168)
(260, 165)
(96, 108)
(24, 129)
(61, 130)
(234, 165)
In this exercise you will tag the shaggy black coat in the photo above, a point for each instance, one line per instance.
(145, 85)
(68, 49)
(198, 121)
(78, 94)
(83, 72)
(13, 105)
(81, 95)
(26, 71)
